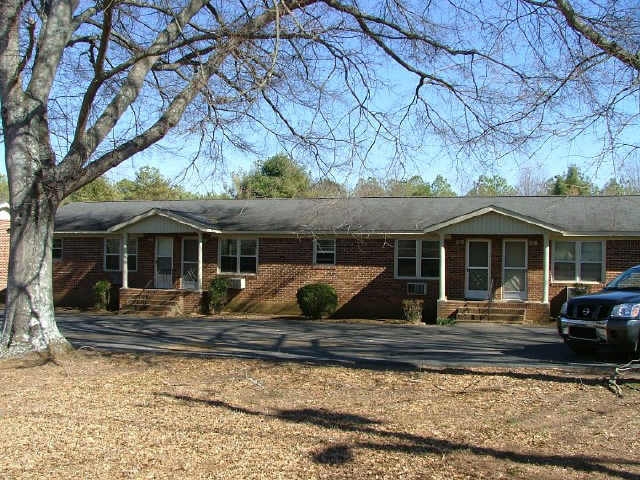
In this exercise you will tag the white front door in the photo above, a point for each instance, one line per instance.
(164, 262)
(190, 263)
(514, 266)
(478, 270)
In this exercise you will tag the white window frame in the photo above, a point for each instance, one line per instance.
(238, 256)
(578, 261)
(60, 248)
(418, 257)
(317, 250)
(130, 243)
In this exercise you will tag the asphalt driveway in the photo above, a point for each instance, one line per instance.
(464, 345)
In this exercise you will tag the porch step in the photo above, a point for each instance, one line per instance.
(495, 313)
(154, 302)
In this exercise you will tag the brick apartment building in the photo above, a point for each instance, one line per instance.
(465, 256)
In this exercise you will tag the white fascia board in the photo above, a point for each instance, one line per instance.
(324, 233)
(601, 235)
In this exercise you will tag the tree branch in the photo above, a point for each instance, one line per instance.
(84, 146)
(52, 40)
(610, 47)
(98, 77)
(9, 49)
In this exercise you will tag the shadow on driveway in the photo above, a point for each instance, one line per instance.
(362, 345)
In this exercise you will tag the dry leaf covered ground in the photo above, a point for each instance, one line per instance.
(121, 416)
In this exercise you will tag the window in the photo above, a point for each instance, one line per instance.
(112, 254)
(324, 251)
(238, 256)
(577, 261)
(56, 249)
(417, 259)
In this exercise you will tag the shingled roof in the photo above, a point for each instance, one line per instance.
(602, 215)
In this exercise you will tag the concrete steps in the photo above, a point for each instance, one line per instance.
(154, 302)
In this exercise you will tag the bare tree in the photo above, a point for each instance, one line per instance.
(531, 181)
(85, 86)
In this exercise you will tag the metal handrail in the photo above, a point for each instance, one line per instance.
(142, 296)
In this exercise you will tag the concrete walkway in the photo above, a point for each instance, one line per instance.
(396, 346)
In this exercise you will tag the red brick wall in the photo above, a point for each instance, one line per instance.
(535, 266)
(80, 268)
(4, 252)
(455, 249)
(362, 277)
(621, 255)
(82, 265)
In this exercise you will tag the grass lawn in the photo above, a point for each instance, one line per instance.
(158, 416)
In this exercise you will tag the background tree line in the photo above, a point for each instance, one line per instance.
(282, 177)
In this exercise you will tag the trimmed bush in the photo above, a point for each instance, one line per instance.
(218, 293)
(317, 300)
(412, 310)
(102, 290)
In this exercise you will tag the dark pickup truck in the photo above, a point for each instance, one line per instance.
(610, 317)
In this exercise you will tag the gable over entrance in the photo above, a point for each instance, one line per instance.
(492, 221)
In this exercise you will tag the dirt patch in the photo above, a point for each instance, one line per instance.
(123, 416)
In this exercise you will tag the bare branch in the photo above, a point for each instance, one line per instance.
(98, 77)
(57, 31)
(610, 47)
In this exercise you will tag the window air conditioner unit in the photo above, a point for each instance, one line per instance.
(237, 283)
(416, 288)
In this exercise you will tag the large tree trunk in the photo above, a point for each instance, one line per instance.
(30, 325)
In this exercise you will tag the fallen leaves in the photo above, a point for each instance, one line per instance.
(125, 416)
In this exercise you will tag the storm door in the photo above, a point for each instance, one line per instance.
(190, 263)
(164, 262)
(478, 270)
(514, 266)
